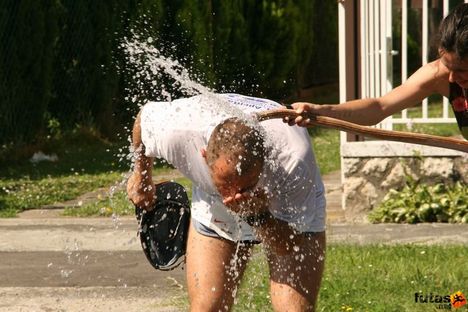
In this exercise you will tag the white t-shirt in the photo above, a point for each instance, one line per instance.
(178, 130)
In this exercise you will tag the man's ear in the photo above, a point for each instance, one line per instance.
(203, 152)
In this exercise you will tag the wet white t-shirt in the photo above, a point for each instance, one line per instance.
(177, 131)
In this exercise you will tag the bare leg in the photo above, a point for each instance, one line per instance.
(295, 277)
(214, 269)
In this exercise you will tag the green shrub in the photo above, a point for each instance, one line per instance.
(423, 203)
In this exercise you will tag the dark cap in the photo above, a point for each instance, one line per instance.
(164, 229)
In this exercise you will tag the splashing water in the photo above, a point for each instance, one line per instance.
(152, 65)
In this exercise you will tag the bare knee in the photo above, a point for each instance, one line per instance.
(285, 297)
(295, 278)
(210, 303)
(214, 292)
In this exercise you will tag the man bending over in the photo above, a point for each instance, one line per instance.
(252, 182)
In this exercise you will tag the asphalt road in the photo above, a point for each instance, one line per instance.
(81, 265)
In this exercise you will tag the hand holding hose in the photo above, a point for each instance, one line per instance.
(303, 110)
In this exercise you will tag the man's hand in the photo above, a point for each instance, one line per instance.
(301, 108)
(141, 191)
(247, 203)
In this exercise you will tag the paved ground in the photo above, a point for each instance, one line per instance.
(52, 263)
(76, 264)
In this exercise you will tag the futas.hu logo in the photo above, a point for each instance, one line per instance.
(457, 300)
(446, 302)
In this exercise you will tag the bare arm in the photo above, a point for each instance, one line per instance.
(140, 187)
(429, 79)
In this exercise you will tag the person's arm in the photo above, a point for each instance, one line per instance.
(140, 187)
(429, 79)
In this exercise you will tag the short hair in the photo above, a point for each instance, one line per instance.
(241, 143)
(453, 32)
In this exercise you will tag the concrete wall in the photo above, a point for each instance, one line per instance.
(370, 169)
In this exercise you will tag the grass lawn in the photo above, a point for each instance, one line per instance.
(326, 146)
(117, 203)
(85, 163)
(371, 278)
(445, 130)
(434, 110)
